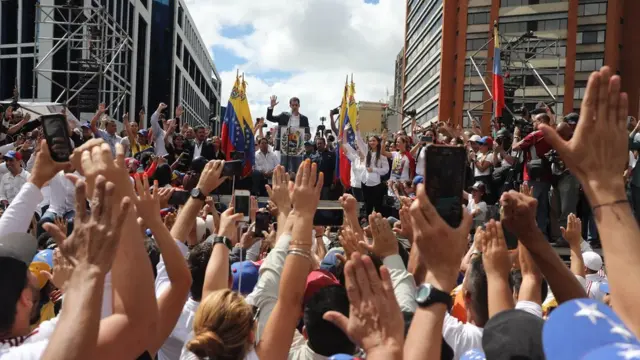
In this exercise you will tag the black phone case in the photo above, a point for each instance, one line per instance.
(445, 179)
(48, 121)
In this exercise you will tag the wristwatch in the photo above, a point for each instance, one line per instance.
(427, 295)
(197, 194)
(222, 240)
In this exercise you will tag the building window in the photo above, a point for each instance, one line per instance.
(590, 37)
(589, 64)
(478, 18)
(476, 44)
(507, 3)
(578, 93)
(592, 9)
(473, 96)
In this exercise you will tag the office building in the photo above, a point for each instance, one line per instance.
(182, 67)
(549, 48)
(85, 52)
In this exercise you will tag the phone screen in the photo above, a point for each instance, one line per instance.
(55, 131)
(232, 168)
(444, 181)
(262, 223)
(241, 204)
(427, 139)
(328, 217)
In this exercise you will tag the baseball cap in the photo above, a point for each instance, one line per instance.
(620, 351)
(248, 271)
(18, 246)
(581, 326)
(475, 354)
(330, 262)
(130, 160)
(43, 261)
(143, 132)
(486, 140)
(478, 185)
(316, 280)
(343, 357)
(86, 125)
(308, 143)
(12, 155)
(475, 138)
(513, 334)
(418, 180)
(592, 260)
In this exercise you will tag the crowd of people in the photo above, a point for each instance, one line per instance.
(98, 262)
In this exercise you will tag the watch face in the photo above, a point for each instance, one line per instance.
(423, 293)
(195, 192)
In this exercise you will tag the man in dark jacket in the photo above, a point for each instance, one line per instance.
(201, 146)
(294, 119)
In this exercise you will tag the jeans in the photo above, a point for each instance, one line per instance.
(541, 193)
(564, 201)
(49, 217)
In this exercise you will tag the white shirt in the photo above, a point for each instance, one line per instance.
(197, 149)
(10, 185)
(482, 206)
(421, 162)
(30, 347)
(266, 162)
(632, 160)
(63, 195)
(593, 286)
(294, 121)
(379, 169)
(461, 337)
(158, 135)
(357, 167)
(173, 345)
(17, 217)
(111, 140)
(483, 157)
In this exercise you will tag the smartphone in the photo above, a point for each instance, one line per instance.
(328, 216)
(242, 201)
(444, 181)
(427, 139)
(179, 197)
(55, 131)
(262, 223)
(232, 168)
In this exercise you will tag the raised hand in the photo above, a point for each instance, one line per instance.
(375, 321)
(519, 214)
(384, 241)
(280, 190)
(349, 241)
(148, 201)
(61, 272)
(441, 246)
(95, 159)
(573, 232)
(526, 190)
(210, 178)
(349, 203)
(248, 238)
(229, 225)
(61, 223)
(306, 192)
(161, 107)
(495, 255)
(599, 146)
(95, 237)
(179, 111)
(102, 108)
(273, 101)
(44, 168)
(403, 227)
(253, 209)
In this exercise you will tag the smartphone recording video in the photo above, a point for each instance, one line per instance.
(328, 216)
(426, 139)
(232, 168)
(242, 203)
(262, 223)
(444, 181)
(55, 132)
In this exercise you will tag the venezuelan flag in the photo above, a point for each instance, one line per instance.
(349, 134)
(498, 80)
(237, 129)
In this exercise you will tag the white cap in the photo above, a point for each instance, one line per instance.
(201, 228)
(475, 138)
(592, 260)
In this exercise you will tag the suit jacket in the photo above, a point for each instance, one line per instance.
(207, 150)
(283, 120)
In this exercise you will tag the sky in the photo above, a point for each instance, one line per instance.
(302, 48)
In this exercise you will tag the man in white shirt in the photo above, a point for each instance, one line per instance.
(62, 201)
(158, 131)
(265, 162)
(594, 278)
(12, 181)
(294, 119)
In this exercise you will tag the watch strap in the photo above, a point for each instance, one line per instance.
(222, 240)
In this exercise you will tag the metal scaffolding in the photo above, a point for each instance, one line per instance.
(519, 73)
(96, 52)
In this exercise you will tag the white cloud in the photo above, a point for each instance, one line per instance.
(318, 41)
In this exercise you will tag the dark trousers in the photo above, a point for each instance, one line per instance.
(258, 184)
(564, 201)
(373, 197)
(357, 193)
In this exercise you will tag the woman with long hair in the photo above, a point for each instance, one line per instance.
(376, 166)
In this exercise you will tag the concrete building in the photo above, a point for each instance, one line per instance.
(89, 51)
(579, 36)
